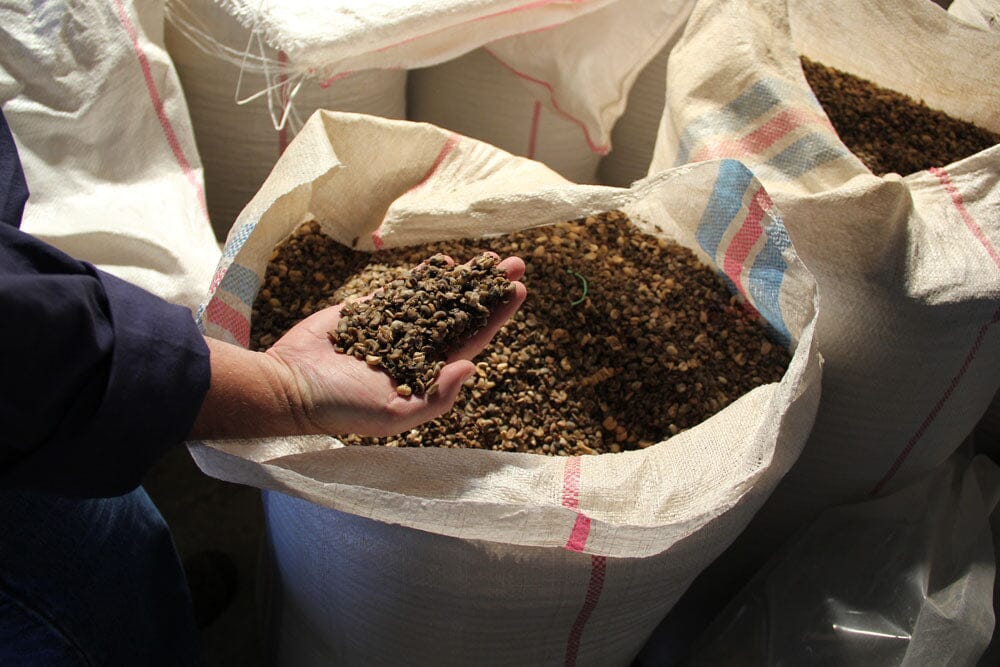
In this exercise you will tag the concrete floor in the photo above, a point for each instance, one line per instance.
(205, 513)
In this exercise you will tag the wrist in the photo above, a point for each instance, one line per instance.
(251, 394)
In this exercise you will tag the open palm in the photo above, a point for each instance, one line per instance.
(341, 394)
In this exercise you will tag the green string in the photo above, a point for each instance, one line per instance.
(582, 280)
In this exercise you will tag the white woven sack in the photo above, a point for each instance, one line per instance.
(478, 96)
(584, 70)
(247, 102)
(103, 133)
(330, 37)
(983, 14)
(554, 96)
(613, 536)
(908, 267)
(578, 59)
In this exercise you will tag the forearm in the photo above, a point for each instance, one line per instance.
(247, 397)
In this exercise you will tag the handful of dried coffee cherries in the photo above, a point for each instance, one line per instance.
(409, 327)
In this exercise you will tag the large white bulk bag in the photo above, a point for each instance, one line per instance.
(578, 60)
(222, 65)
(984, 14)
(103, 133)
(908, 266)
(475, 543)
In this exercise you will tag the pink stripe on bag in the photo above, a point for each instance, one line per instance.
(745, 239)
(600, 150)
(154, 96)
(283, 80)
(337, 77)
(924, 425)
(598, 568)
(977, 232)
(763, 137)
(956, 198)
(533, 137)
(571, 499)
(217, 279)
(448, 146)
(571, 483)
(227, 317)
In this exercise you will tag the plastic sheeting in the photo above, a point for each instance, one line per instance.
(906, 579)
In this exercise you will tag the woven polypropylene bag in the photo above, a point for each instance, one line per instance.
(908, 266)
(103, 132)
(247, 101)
(570, 57)
(609, 541)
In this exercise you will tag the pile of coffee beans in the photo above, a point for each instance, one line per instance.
(625, 338)
(409, 326)
(888, 131)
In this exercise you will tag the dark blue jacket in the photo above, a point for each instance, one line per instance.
(97, 376)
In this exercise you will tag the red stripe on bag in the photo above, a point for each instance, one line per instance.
(977, 232)
(924, 425)
(217, 279)
(595, 148)
(154, 96)
(446, 148)
(745, 238)
(533, 137)
(956, 198)
(283, 80)
(230, 319)
(763, 137)
(598, 568)
(571, 498)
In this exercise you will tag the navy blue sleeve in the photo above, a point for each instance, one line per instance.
(99, 377)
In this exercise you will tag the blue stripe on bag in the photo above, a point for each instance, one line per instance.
(767, 273)
(766, 277)
(723, 205)
(805, 155)
(235, 244)
(752, 103)
(241, 282)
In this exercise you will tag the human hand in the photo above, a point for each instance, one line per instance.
(337, 393)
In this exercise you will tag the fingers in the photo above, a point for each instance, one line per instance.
(474, 345)
(513, 267)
